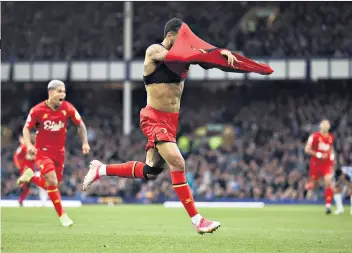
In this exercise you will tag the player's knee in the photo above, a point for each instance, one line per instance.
(151, 173)
(176, 163)
(50, 178)
(328, 181)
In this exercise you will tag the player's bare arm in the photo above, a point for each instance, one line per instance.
(164, 97)
(333, 156)
(82, 132)
(156, 52)
(27, 140)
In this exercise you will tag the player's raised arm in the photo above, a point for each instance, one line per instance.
(30, 123)
(156, 52)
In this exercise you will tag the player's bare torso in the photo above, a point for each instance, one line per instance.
(163, 97)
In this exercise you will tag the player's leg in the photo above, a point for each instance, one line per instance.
(57, 178)
(172, 155)
(154, 159)
(48, 169)
(43, 196)
(39, 181)
(338, 192)
(313, 182)
(328, 175)
(338, 200)
(25, 191)
(28, 176)
(132, 169)
(351, 197)
(24, 186)
(349, 183)
(52, 188)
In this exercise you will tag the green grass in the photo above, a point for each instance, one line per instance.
(150, 229)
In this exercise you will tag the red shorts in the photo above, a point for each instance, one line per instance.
(50, 161)
(158, 126)
(317, 170)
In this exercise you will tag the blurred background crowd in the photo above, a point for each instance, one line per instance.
(56, 31)
(250, 145)
(246, 141)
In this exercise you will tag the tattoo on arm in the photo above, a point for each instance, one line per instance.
(156, 53)
(82, 131)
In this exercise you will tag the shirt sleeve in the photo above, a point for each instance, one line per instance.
(74, 114)
(311, 140)
(32, 118)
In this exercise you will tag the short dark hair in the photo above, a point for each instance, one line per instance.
(173, 25)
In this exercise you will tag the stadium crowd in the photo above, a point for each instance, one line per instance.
(245, 142)
(57, 31)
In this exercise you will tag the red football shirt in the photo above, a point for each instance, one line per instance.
(51, 125)
(22, 159)
(323, 144)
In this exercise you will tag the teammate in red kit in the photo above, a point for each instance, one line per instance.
(159, 123)
(320, 148)
(50, 119)
(23, 161)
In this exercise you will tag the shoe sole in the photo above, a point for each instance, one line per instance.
(209, 232)
(21, 182)
(86, 186)
(22, 179)
(89, 184)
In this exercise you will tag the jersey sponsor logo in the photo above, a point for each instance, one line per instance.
(189, 200)
(53, 126)
(199, 49)
(64, 112)
(323, 146)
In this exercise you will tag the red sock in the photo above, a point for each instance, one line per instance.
(55, 197)
(25, 191)
(39, 181)
(183, 192)
(328, 195)
(131, 169)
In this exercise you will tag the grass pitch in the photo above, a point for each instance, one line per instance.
(149, 229)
